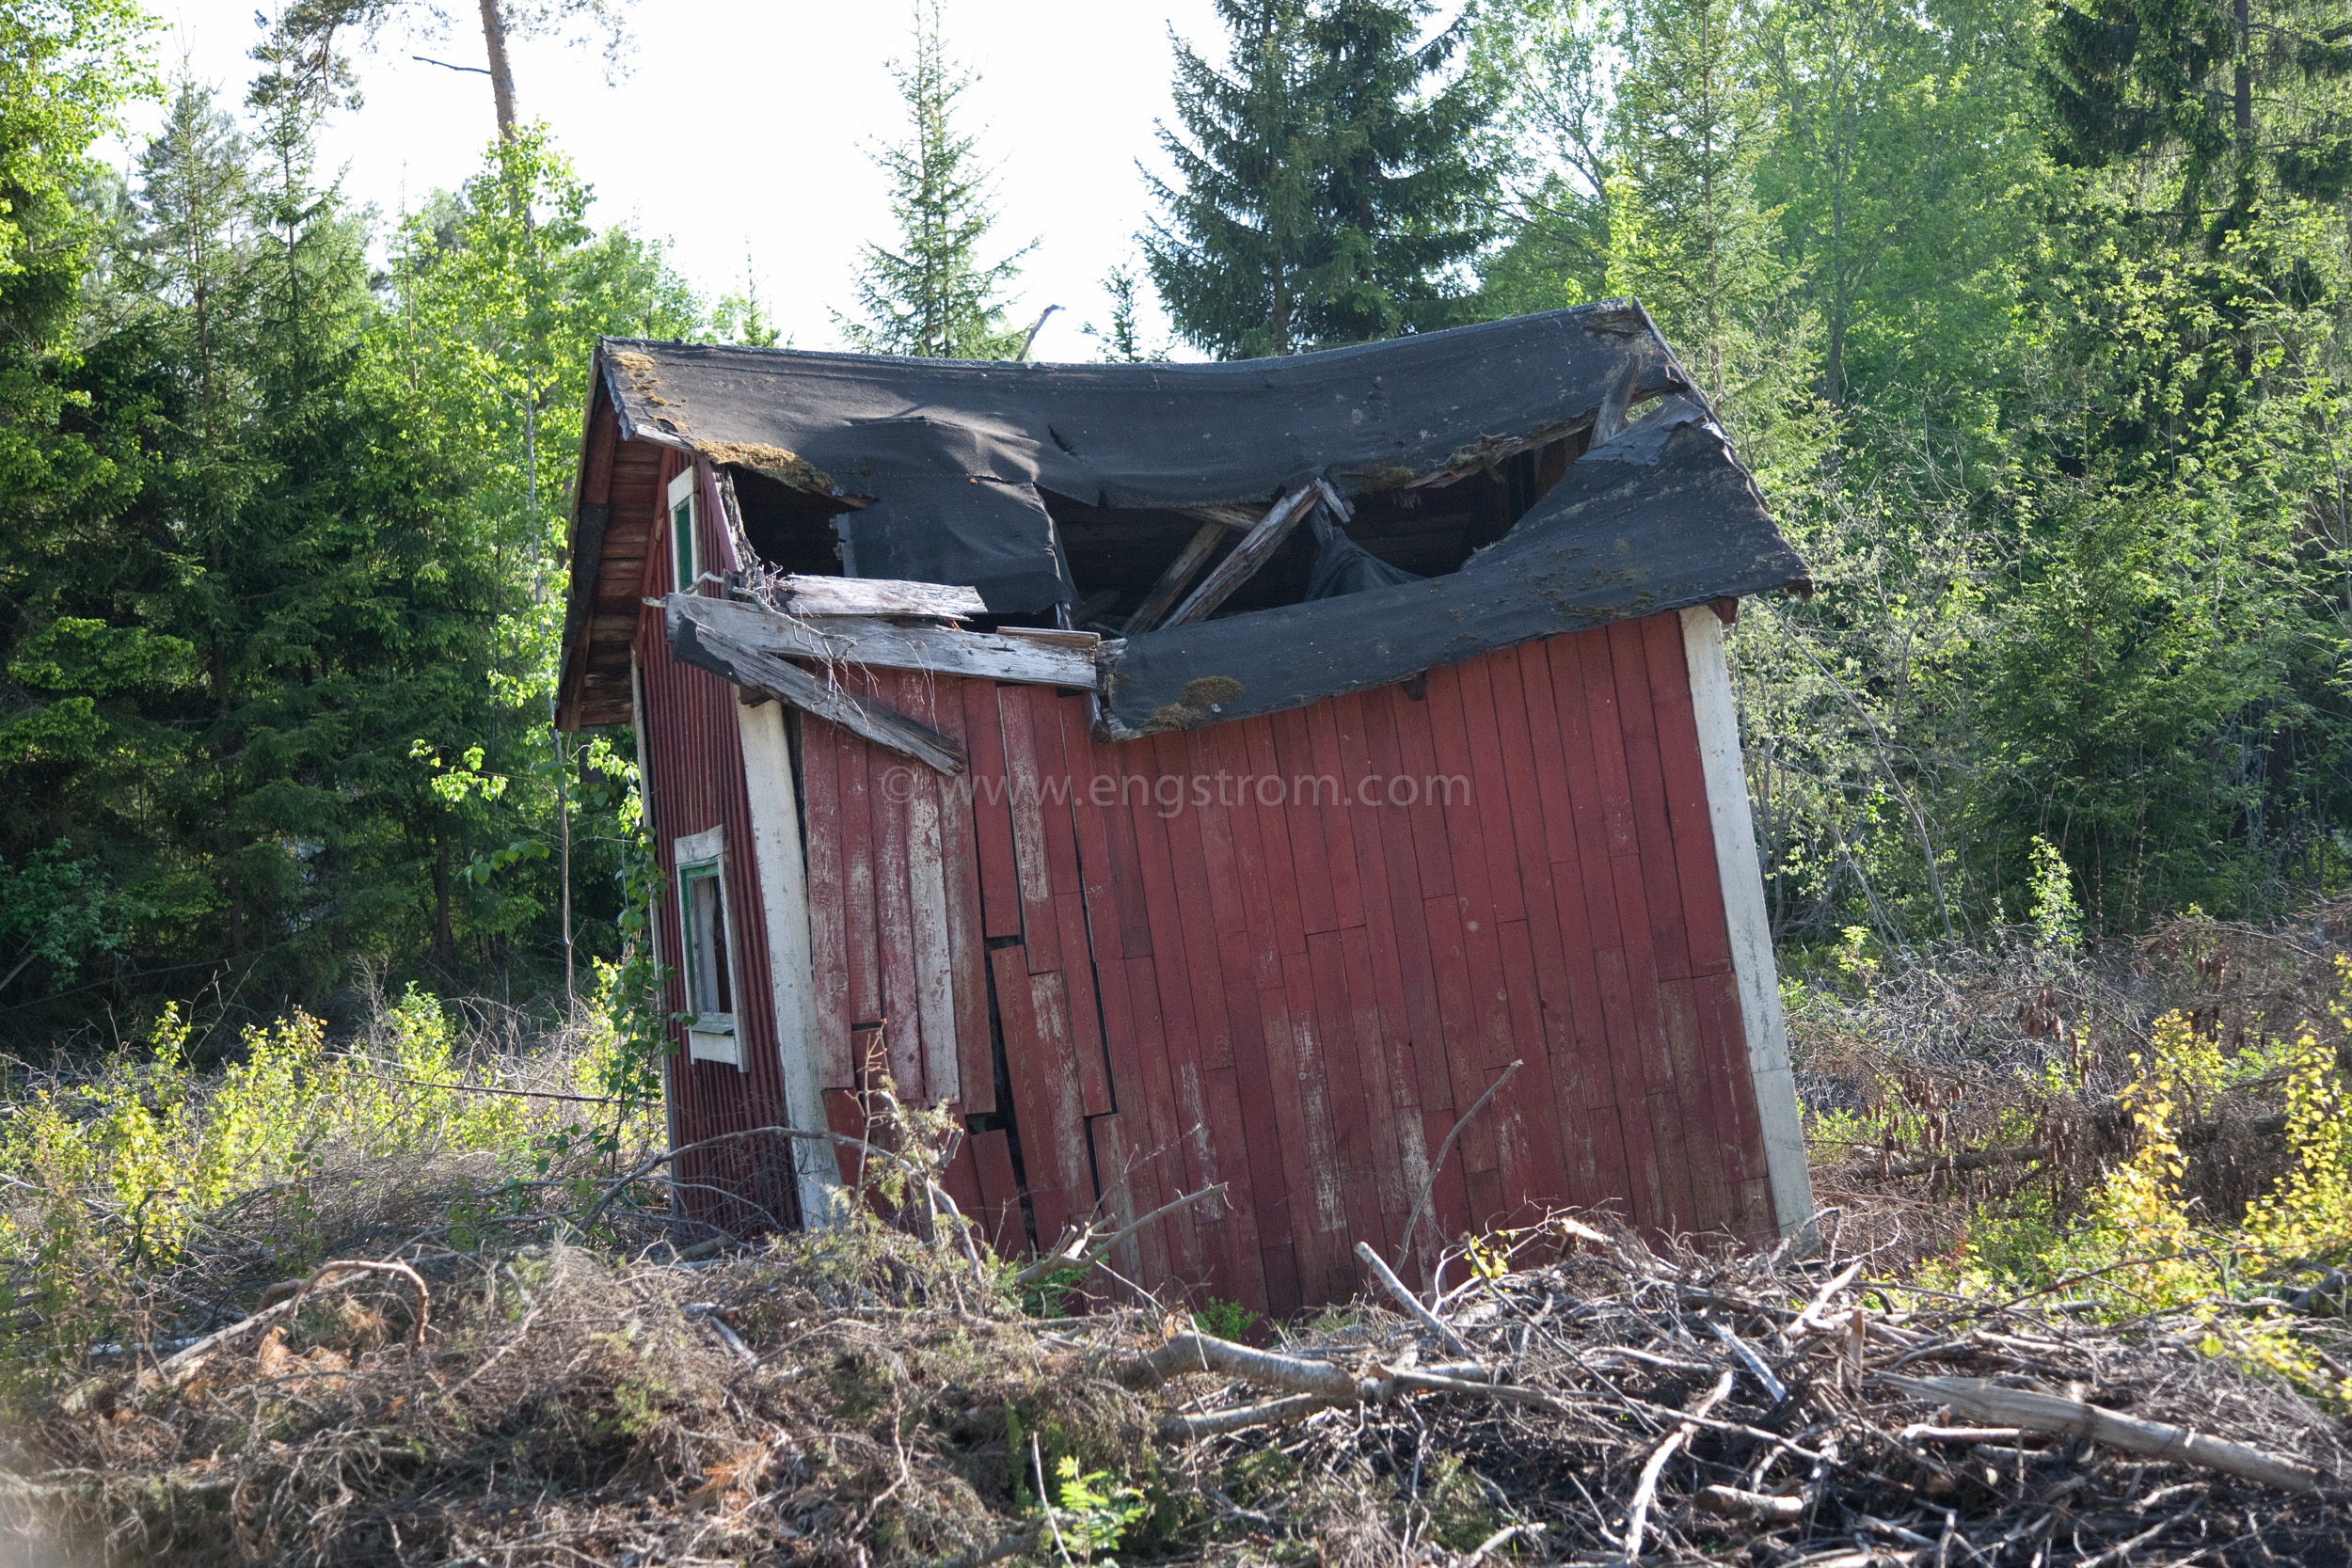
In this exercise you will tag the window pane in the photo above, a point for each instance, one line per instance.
(682, 542)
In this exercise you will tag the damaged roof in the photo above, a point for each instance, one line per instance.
(944, 471)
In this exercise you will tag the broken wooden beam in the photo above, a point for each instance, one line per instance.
(1241, 519)
(2034, 1412)
(934, 601)
(1178, 577)
(723, 656)
(1256, 548)
(1030, 657)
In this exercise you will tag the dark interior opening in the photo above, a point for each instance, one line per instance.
(791, 529)
(1117, 554)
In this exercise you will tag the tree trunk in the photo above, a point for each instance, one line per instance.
(501, 74)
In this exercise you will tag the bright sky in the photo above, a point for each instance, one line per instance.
(744, 124)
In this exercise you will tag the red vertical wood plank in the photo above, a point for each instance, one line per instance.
(929, 807)
(975, 1057)
(889, 784)
(1464, 812)
(1549, 767)
(1327, 759)
(828, 941)
(991, 820)
(1040, 932)
(1000, 1192)
(1384, 1116)
(1197, 913)
(1685, 776)
(857, 903)
(1262, 1150)
(1085, 1011)
(1056, 777)
(1478, 713)
(1364, 823)
(1047, 1115)
(1160, 1140)
(1697, 1094)
(961, 1180)
(1307, 795)
(1410, 926)
(1418, 779)
(1224, 1153)
(1736, 1117)
(1254, 747)
(1526, 1128)
(1461, 1010)
(1143, 1256)
(1094, 815)
(1314, 1211)
(1646, 1189)
(1448, 1193)
(1345, 1061)
(845, 1115)
(1662, 883)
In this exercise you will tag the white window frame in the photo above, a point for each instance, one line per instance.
(685, 545)
(710, 1036)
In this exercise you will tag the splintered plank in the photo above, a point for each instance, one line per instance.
(991, 819)
(1051, 1119)
(1085, 1011)
(857, 861)
(1000, 1193)
(1662, 884)
(927, 886)
(1686, 795)
(888, 792)
(967, 947)
(828, 942)
(1040, 932)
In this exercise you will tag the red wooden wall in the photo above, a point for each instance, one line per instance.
(1291, 994)
(694, 754)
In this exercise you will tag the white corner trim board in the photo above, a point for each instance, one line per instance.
(1742, 880)
(784, 900)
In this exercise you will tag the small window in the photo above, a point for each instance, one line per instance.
(706, 951)
(684, 552)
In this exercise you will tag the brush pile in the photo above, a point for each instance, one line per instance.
(868, 1397)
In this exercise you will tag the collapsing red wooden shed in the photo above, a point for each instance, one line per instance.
(1201, 774)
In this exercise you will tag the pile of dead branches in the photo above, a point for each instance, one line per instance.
(868, 1396)
(1617, 1405)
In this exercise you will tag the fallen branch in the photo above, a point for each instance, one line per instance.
(2023, 1407)
(1075, 1253)
(1734, 1504)
(179, 1367)
(1395, 1287)
(1421, 1204)
(1637, 1511)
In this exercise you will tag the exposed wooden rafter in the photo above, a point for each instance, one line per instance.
(1256, 548)
(1179, 576)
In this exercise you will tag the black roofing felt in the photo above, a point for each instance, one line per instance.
(950, 457)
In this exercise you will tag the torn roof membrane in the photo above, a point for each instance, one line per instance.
(942, 468)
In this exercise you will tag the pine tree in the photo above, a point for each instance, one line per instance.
(1122, 340)
(932, 297)
(1326, 196)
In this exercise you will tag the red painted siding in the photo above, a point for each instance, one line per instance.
(694, 752)
(1203, 964)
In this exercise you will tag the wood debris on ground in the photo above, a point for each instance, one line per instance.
(862, 1398)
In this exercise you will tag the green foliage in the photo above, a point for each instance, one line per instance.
(1093, 1517)
(1330, 181)
(932, 295)
(1226, 1320)
(2058, 920)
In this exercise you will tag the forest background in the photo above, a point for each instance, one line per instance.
(2031, 320)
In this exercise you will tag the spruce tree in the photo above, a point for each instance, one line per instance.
(1332, 185)
(932, 297)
